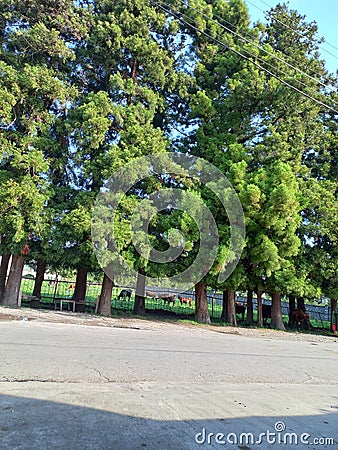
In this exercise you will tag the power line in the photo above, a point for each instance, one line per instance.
(254, 62)
(256, 45)
(277, 51)
(243, 56)
(329, 83)
(327, 43)
(291, 28)
(266, 63)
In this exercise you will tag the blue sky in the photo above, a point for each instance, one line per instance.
(324, 12)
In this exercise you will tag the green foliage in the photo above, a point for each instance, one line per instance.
(30, 88)
(86, 87)
(260, 134)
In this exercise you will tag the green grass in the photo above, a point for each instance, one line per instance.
(125, 307)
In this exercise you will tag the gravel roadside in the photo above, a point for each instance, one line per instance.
(68, 317)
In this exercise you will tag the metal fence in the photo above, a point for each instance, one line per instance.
(316, 312)
(52, 289)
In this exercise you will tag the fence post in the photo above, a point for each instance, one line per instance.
(19, 299)
(56, 288)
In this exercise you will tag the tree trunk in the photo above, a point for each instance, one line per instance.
(259, 308)
(3, 273)
(249, 308)
(232, 320)
(301, 304)
(292, 307)
(140, 291)
(201, 303)
(11, 293)
(40, 274)
(276, 312)
(104, 307)
(80, 289)
(224, 315)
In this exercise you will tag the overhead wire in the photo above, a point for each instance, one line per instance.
(254, 44)
(290, 28)
(328, 83)
(288, 57)
(178, 17)
(328, 43)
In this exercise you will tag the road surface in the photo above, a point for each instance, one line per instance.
(170, 387)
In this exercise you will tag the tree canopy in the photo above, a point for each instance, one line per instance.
(87, 87)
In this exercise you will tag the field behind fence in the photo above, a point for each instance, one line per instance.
(54, 289)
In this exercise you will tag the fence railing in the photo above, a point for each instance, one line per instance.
(52, 289)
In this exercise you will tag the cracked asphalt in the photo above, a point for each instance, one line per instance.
(163, 386)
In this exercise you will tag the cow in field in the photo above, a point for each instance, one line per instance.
(185, 300)
(300, 319)
(266, 313)
(168, 298)
(240, 308)
(124, 294)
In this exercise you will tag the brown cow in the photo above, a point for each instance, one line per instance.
(300, 319)
(151, 294)
(167, 298)
(185, 300)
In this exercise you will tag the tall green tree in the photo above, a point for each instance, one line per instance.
(257, 129)
(128, 75)
(33, 88)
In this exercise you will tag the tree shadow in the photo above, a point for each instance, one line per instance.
(32, 424)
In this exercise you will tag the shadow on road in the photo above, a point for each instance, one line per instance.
(31, 424)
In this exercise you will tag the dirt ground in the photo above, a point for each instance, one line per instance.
(69, 317)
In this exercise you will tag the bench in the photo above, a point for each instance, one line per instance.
(68, 301)
(34, 300)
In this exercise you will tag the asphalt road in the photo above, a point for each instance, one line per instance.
(71, 387)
